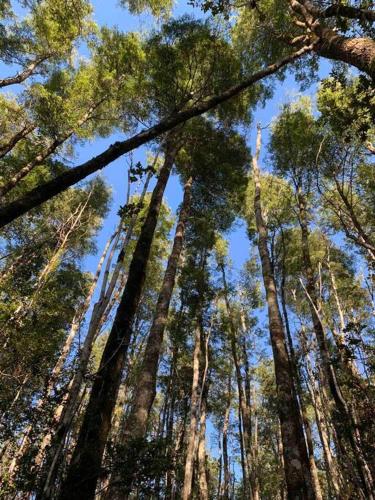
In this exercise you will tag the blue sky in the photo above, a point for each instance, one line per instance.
(109, 13)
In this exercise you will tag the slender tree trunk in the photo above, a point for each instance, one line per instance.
(346, 360)
(146, 385)
(251, 405)
(299, 391)
(65, 412)
(56, 372)
(243, 407)
(85, 466)
(55, 186)
(194, 415)
(202, 465)
(255, 450)
(135, 425)
(25, 73)
(226, 484)
(170, 424)
(333, 474)
(51, 147)
(297, 470)
(363, 239)
(13, 141)
(343, 410)
(177, 452)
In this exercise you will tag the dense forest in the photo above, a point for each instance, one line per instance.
(141, 357)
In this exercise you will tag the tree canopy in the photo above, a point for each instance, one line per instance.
(187, 250)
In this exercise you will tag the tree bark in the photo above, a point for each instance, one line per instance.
(46, 152)
(332, 471)
(62, 182)
(226, 484)
(202, 465)
(135, 425)
(65, 412)
(343, 410)
(358, 52)
(243, 407)
(24, 74)
(296, 462)
(362, 238)
(146, 385)
(298, 387)
(85, 466)
(194, 415)
(13, 141)
(55, 374)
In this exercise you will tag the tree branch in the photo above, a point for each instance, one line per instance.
(59, 184)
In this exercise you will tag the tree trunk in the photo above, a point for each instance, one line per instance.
(343, 410)
(13, 141)
(26, 441)
(62, 182)
(135, 425)
(145, 391)
(243, 407)
(25, 73)
(296, 462)
(65, 412)
(226, 484)
(202, 465)
(362, 239)
(251, 405)
(333, 474)
(347, 361)
(298, 387)
(255, 450)
(194, 415)
(358, 52)
(46, 152)
(85, 466)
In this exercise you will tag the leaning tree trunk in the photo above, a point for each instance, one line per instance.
(85, 466)
(296, 461)
(45, 153)
(13, 141)
(56, 372)
(356, 51)
(343, 411)
(51, 188)
(146, 384)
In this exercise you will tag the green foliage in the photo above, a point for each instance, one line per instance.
(50, 31)
(42, 285)
(348, 107)
(277, 203)
(296, 142)
(188, 60)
